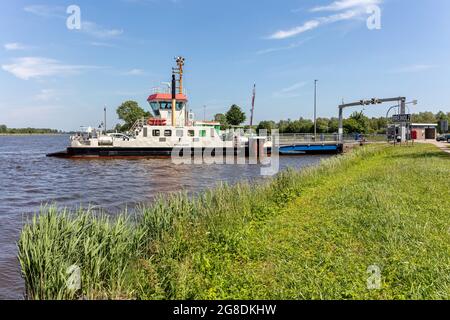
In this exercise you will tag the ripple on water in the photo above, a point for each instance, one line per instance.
(29, 179)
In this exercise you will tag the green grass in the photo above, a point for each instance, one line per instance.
(302, 235)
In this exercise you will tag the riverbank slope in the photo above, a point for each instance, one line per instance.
(313, 234)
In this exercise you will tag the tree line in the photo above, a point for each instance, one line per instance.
(130, 111)
(356, 123)
(5, 130)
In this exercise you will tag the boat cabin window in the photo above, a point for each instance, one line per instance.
(165, 105)
(202, 133)
(155, 108)
(180, 133)
(145, 132)
(191, 133)
(167, 133)
(156, 133)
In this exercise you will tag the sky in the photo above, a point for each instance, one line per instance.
(52, 76)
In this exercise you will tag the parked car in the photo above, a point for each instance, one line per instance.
(119, 136)
(444, 137)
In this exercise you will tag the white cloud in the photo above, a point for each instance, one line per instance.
(350, 9)
(88, 27)
(14, 46)
(46, 11)
(414, 68)
(288, 47)
(36, 67)
(46, 95)
(313, 24)
(346, 4)
(102, 44)
(97, 31)
(291, 91)
(135, 72)
(308, 25)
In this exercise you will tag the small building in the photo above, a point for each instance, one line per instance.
(423, 131)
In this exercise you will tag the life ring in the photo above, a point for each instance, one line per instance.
(156, 122)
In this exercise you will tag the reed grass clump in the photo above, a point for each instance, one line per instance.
(103, 248)
(307, 234)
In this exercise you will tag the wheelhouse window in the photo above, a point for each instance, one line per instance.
(165, 105)
(202, 133)
(180, 106)
(156, 133)
(191, 133)
(167, 133)
(155, 107)
(180, 133)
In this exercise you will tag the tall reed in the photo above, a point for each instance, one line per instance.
(150, 255)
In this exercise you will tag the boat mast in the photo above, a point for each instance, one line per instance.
(175, 71)
(253, 106)
(104, 115)
(179, 70)
(174, 100)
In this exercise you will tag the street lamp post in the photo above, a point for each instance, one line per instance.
(315, 109)
(402, 110)
(105, 120)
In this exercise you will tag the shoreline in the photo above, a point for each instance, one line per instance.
(283, 238)
(32, 134)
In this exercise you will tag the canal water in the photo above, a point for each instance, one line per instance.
(28, 179)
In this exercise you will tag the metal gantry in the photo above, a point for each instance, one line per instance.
(374, 101)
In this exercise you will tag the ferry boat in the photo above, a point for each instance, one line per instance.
(170, 126)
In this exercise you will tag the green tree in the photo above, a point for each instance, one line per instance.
(266, 125)
(235, 116)
(378, 125)
(222, 119)
(441, 116)
(357, 123)
(322, 125)
(3, 129)
(130, 112)
(424, 117)
(283, 126)
(333, 125)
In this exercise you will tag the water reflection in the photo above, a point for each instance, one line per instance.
(29, 179)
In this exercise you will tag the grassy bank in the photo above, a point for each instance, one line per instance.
(302, 235)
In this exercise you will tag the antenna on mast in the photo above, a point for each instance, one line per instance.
(180, 64)
(253, 105)
(175, 71)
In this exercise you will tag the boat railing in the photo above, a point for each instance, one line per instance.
(138, 126)
(165, 90)
(290, 138)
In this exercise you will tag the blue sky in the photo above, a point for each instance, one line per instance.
(51, 76)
